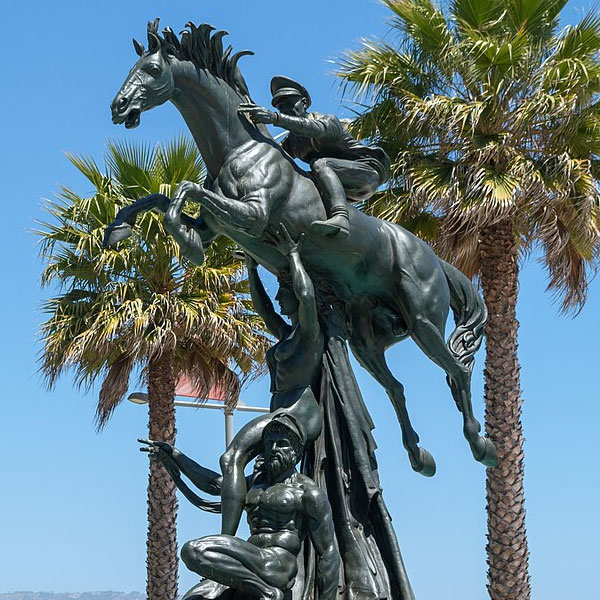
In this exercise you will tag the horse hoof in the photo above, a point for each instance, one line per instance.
(425, 465)
(196, 257)
(115, 233)
(486, 454)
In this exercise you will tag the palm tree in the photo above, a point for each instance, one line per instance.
(491, 116)
(143, 309)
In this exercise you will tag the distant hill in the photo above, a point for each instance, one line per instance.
(72, 596)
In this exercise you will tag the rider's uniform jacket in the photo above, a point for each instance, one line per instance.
(324, 136)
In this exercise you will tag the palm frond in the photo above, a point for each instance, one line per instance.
(477, 15)
(536, 18)
(117, 310)
(377, 65)
(581, 40)
(114, 387)
(488, 114)
(132, 166)
(424, 24)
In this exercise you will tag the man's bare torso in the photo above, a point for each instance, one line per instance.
(275, 513)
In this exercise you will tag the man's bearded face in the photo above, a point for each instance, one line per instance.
(280, 453)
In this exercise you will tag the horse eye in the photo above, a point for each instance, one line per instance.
(153, 70)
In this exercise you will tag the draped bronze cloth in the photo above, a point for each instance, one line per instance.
(342, 461)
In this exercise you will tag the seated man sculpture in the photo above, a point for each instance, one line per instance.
(284, 507)
(342, 167)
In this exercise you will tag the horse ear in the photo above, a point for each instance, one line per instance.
(153, 42)
(139, 48)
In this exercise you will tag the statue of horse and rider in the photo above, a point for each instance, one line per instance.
(390, 282)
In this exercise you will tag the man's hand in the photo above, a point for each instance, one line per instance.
(257, 114)
(282, 240)
(161, 451)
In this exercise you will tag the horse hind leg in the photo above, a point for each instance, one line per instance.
(430, 339)
(373, 360)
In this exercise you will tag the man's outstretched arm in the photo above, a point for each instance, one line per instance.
(163, 452)
(322, 534)
(204, 479)
(324, 127)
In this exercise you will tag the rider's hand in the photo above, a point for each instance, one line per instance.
(257, 114)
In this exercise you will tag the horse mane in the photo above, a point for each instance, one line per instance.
(204, 49)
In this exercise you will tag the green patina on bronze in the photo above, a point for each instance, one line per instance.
(372, 285)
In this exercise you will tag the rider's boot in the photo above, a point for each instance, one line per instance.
(334, 198)
(337, 224)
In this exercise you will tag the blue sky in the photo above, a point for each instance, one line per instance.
(72, 507)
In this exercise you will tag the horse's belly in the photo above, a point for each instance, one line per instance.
(377, 258)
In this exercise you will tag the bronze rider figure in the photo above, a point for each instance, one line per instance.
(343, 169)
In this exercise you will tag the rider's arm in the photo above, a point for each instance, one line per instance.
(322, 127)
(305, 292)
(262, 303)
(321, 531)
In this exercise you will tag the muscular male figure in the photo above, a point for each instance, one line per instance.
(283, 506)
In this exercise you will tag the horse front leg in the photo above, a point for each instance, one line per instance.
(249, 214)
(192, 235)
(121, 227)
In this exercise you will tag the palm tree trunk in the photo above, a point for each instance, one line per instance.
(162, 560)
(508, 575)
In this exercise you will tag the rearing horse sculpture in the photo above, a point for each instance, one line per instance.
(393, 285)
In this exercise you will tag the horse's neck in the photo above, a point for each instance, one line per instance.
(209, 108)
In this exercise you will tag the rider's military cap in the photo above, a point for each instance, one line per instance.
(282, 87)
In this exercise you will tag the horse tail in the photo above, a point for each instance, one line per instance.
(470, 315)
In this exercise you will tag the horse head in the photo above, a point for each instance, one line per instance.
(200, 77)
(150, 82)
(153, 79)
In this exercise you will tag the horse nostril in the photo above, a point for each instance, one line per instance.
(122, 103)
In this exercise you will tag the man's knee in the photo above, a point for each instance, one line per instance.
(320, 165)
(193, 554)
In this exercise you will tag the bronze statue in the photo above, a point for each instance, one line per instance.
(343, 168)
(361, 281)
(284, 508)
